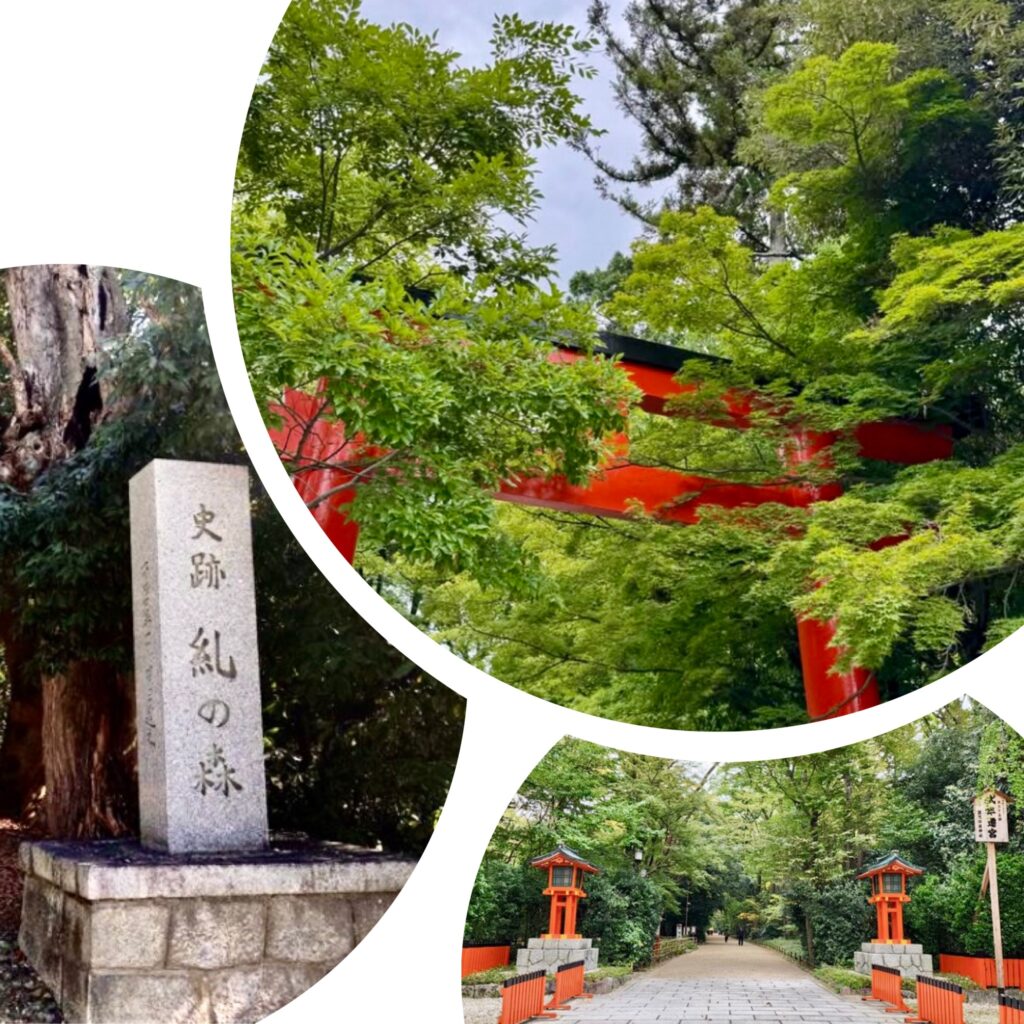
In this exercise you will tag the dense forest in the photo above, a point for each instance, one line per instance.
(774, 846)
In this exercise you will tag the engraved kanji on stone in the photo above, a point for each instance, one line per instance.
(203, 662)
(207, 571)
(202, 520)
(215, 713)
(215, 775)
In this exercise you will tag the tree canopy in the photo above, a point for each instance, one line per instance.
(844, 238)
(773, 845)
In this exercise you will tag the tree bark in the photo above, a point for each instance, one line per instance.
(89, 752)
(60, 314)
(79, 723)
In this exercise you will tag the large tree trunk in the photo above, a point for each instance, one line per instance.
(88, 752)
(21, 753)
(60, 316)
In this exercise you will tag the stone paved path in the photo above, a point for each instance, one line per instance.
(726, 984)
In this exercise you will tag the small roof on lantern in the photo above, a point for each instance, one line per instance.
(893, 862)
(563, 855)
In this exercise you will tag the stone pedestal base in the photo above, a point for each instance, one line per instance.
(123, 934)
(552, 953)
(908, 957)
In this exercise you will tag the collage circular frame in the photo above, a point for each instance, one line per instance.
(760, 472)
(215, 781)
(862, 880)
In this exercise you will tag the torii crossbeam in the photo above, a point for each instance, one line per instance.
(306, 436)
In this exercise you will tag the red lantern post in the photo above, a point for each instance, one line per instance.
(565, 870)
(889, 895)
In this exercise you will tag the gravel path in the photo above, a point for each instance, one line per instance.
(717, 958)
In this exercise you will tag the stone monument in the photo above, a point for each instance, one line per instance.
(200, 728)
(206, 918)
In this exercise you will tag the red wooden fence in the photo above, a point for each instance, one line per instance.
(568, 985)
(1011, 1010)
(522, 997)
(483, 958)
(887, 987)
(982, 970)
(938, 1002)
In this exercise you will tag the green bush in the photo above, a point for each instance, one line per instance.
(790, 947)
(507, 904)
(669, 948)
(967, 984)
(611, 971)
(622, 913)
(842, 977)
(947, 915)
(490, 976)
(842, 920)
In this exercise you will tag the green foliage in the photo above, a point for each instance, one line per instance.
(607, 805)
(866, 149)
(372, 142)
(874, 139)
(793, 948)
(361, 744)
(948, 915)
(599, 285)
(965, 983)
(490, 977)
(841, 918)
(838, 978)
(777, 848)
(506, 905)
(681, 75)
(670, 948)
(64, 545)
(453, 398)
(622, 912)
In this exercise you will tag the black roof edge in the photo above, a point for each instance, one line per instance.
(646, 353)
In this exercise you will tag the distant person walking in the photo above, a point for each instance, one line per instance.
(741, 935)
(726, 934)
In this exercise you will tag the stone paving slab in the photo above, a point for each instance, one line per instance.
(650, 1000)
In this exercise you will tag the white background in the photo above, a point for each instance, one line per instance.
(120, 129)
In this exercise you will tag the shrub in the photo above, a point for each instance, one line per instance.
(947, 915)
(842, 977)
(789, 947)
(842, 920)
(622, 912)
(494, 974)
(967, 984)
(506, 905)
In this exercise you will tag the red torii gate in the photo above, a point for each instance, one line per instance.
(306, 437)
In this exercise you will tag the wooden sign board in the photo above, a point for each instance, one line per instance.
(991, 823)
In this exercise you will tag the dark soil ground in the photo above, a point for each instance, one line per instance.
(23, 997)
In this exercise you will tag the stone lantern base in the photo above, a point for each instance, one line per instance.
(553, 953)
(908, 958)
(120, 933)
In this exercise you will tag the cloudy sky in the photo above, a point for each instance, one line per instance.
(586, 228)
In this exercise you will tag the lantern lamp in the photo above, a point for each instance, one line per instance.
(888, 878)
(566, 870)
